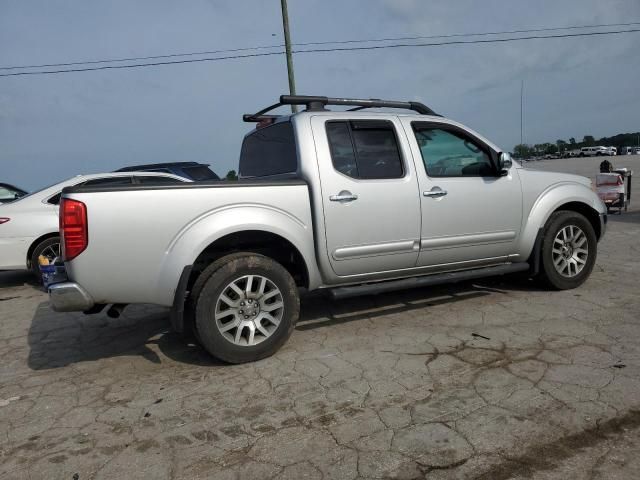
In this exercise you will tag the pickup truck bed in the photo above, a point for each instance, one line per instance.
(147, 234)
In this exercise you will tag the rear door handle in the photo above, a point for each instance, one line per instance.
(344, 196)
(435, 193)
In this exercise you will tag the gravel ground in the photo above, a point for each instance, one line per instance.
(494, 379)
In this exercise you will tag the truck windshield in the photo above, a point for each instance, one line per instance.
(269, 151)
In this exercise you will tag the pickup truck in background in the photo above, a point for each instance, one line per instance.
(355, 202)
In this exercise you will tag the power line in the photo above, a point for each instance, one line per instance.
(480, 34)
(336, 42)
(321, 50)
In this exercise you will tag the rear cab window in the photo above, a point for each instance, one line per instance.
(269, 151)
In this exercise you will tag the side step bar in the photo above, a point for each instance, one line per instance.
(426, 280)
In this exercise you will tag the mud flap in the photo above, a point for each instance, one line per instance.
(536, 255)
(176, 315)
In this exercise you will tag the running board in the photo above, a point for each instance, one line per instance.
(426, 280)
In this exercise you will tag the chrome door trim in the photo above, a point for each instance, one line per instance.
(389, 248)
(466, 240)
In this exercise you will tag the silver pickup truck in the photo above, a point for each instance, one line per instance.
(356, 202)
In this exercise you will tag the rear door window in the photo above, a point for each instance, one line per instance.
(365, 149)
(269, 151)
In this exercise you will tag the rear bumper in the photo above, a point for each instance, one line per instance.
(69, 297)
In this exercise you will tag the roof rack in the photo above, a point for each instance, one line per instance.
(317, 104)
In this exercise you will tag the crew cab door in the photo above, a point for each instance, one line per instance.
(370, 195)
(471, 215)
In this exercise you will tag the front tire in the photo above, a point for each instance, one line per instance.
(569, 249)
(246, 309)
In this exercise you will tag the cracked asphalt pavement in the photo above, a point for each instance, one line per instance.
(493, 379)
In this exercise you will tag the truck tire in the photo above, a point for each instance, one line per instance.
(568, 250)
(191, 303)
(50, 248)
(246, 307)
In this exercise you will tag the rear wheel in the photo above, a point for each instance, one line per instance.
(569, 248)
(246, 309)
(49, 248)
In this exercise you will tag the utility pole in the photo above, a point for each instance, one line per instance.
(287, 45)
(521, 96)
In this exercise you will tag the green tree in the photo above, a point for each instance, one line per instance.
(589, 141)
(522, 150)
(572, 141)
(231, 176)
(562, 145)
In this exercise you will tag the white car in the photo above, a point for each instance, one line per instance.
(594, 151)
(29, 225)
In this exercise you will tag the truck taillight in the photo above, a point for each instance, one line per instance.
(73, 228)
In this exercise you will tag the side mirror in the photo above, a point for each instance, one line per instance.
(504, 163)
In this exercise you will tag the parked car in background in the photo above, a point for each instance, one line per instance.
(9, 193)
(572, 153)
(353, 202)
(29, 225)
(626, 151)
(594, 151)
(613, 151)
(192, 170)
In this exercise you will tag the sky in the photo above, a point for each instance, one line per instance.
(56, 126)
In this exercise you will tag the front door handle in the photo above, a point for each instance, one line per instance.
(435, 192)
(343, 196)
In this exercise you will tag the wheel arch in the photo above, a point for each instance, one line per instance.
(587, 211)
(565, 196)
(259, 241)
(226, 229)
(36, 242)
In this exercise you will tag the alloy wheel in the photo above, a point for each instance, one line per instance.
(249, 310)
(570, 251)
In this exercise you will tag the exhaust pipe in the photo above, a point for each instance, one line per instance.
(116, 310)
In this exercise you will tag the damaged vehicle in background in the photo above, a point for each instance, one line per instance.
(353, 202)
